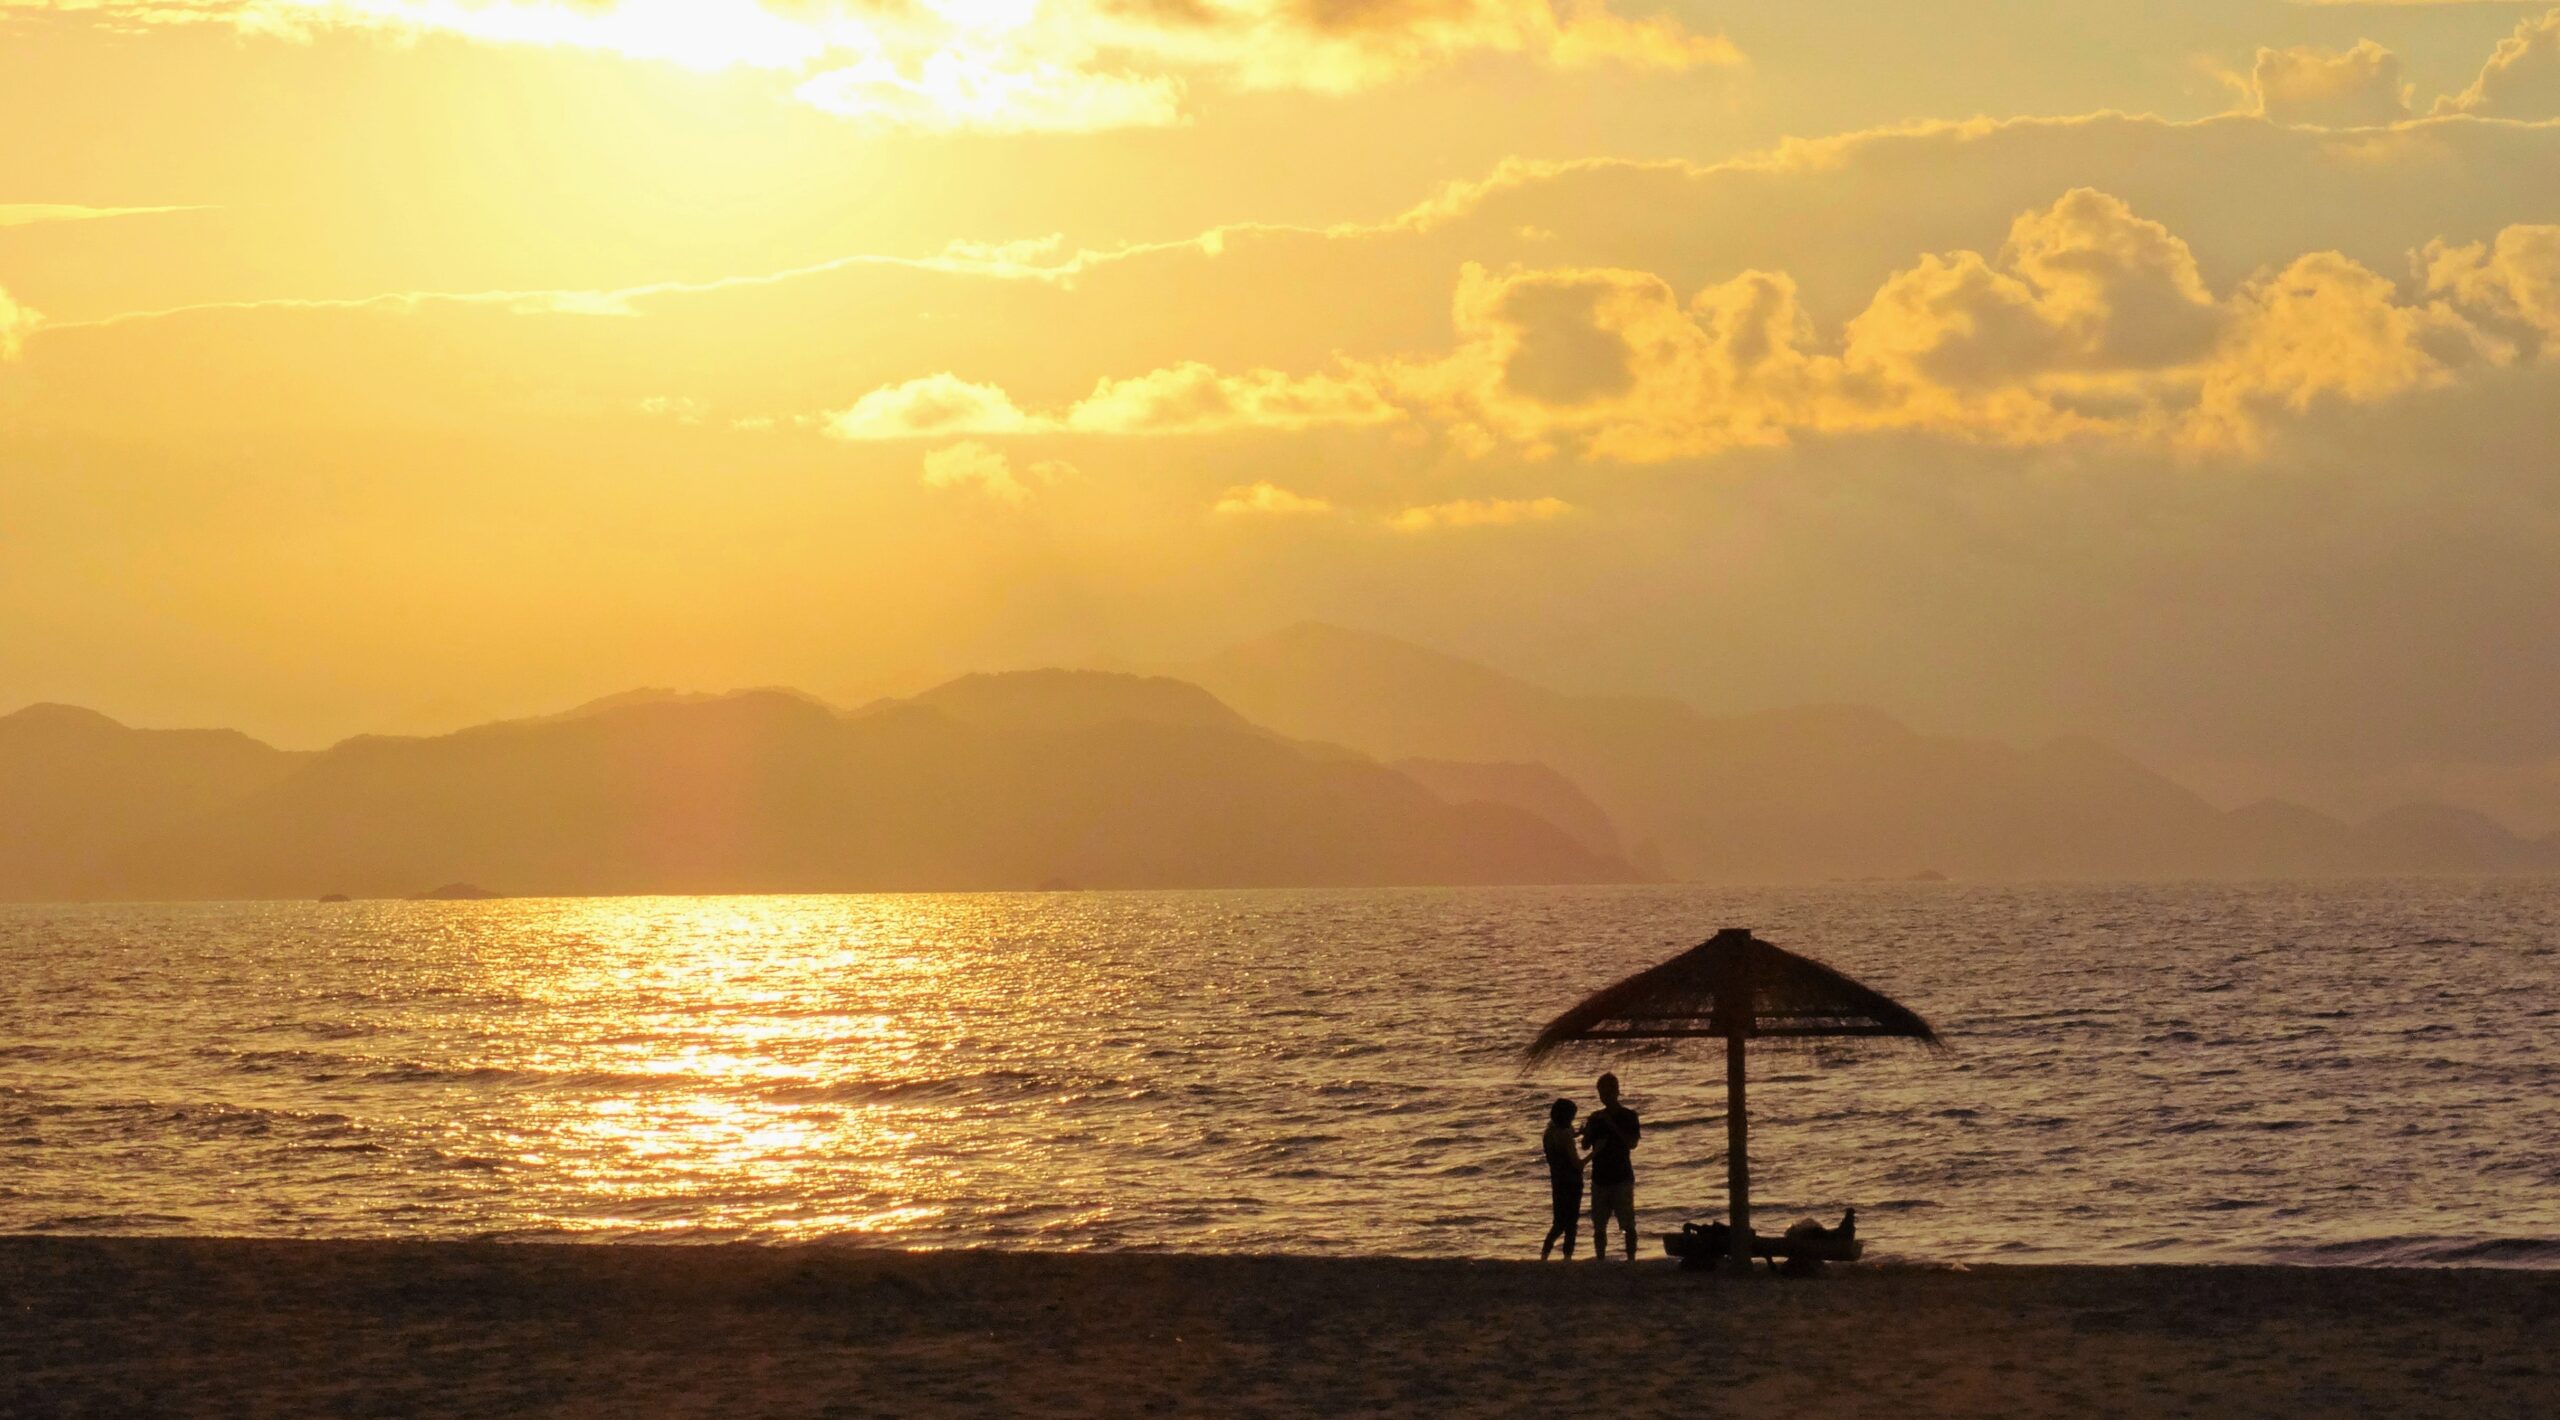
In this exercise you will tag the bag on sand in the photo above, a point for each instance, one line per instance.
(1699, 1246)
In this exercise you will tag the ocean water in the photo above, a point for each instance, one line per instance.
(2337, 1072)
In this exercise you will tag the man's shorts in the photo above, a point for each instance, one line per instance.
(1614, 1200)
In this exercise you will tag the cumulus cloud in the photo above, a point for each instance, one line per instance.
(2321, 88)
(1269, 500)
(2521, 79)
(1008, 66)
(1613, 362)
(1193, 398)
(933, 406)
(1478, 513)
(2511, 284)
(2091, 322)
(1188, 398)
(2083, 285)
(17, 322)
(984, 470)
(2324, 327)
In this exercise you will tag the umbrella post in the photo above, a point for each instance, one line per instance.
(1737, 1145)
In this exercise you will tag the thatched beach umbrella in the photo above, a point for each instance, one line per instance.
(1736, 986)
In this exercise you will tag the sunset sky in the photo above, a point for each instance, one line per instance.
(2174, 373)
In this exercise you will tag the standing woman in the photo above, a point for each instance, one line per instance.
(1564, 1179)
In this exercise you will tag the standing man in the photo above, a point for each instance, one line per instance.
(1612, 1132)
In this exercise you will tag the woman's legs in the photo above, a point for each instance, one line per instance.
(1568, 1221)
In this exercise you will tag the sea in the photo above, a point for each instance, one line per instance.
(2325, 1073)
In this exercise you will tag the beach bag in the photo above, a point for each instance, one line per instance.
(1700, 1246)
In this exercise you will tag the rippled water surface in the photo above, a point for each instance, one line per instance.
(2340, 1072)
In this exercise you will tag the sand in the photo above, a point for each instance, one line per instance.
(225, 1327)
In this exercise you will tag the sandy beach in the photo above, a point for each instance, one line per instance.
(218, 1327)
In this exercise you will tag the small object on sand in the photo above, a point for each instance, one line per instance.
(1800, 1251)
(1699, 1246)
(1806, 1245)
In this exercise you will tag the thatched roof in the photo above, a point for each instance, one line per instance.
(1734, 984)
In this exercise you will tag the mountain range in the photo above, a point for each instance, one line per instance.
(1313, 757)
(1825, 791)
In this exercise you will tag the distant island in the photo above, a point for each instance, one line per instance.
(1315, 757)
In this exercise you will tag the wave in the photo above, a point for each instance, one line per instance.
(2424, 1251)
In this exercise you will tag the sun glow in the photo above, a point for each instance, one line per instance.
(994, 65)
(986, 65)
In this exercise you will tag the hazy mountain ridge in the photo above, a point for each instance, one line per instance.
(1534, 787)
(1826, 791)
(990, 782)
(1313, 757)
(74, 785)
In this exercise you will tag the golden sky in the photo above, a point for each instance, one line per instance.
(2170, 372)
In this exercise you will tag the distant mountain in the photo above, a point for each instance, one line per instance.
(2434, 838)
(75, 786)
(1533, 787)
(1822, 791)
(656, 695)
(989, 782)
(1058, 701)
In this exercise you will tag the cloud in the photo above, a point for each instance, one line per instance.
(29, 214)
(1269, 500)
(1188, 398)
(1614, 363)
(2521, 79)
(2320, 88)
(1193, 398)
(2084, 284)
(2511, 284)
(17, 322)
(2091, 323)
(1597, 37)
(1004, 65)
(678, 408)
(1478, 513)
(934, 406)
(2323, 328)
(979, 468)
(1343, 45)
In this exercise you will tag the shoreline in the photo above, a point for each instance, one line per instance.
(101, 1325)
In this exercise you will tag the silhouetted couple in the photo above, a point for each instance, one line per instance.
(1605, 1142)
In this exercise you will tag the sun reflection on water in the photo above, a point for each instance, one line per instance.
(744, 1035)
